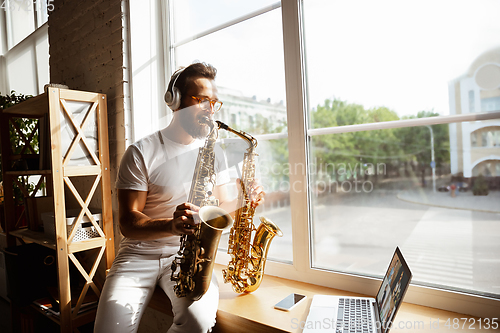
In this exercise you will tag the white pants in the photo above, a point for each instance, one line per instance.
(130, 285)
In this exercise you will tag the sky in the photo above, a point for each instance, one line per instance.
(392, 53)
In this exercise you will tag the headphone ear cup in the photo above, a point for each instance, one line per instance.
(168, 98)
(176, 99)
(173, 100)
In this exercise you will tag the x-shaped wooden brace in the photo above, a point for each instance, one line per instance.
(80, 135)
(85, 205)
(88, 277)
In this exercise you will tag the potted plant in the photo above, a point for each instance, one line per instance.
(26, 126)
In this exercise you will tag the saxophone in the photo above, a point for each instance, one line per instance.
(192, 268)
(246, 266)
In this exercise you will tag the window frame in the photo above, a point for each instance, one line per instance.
(296, 101)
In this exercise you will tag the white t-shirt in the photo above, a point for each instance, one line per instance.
(164, 169)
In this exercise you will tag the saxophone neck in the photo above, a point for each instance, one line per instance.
(213, 133)
(252, 142)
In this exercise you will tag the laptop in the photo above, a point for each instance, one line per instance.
(362, 314)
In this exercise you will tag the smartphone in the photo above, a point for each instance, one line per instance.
(289, 302)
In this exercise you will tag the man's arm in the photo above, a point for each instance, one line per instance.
(221, 192)
(137, 225)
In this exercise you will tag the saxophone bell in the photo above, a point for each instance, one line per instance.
(213, 221)
(215, 217)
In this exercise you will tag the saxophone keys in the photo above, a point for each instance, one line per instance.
(200, 251)
(225, 276)
(240, 286)
(251, 280)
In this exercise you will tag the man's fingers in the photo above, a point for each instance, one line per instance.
(188, 222)
(256, 203)
(184, 225)
(187, 213)
(187, 206)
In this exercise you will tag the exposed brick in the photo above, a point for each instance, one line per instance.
(86, 53)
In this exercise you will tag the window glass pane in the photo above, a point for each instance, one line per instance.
(3, 41)
(42, 61)
(251, 82)
(373, 190)
(400, 55)
(20, 20)
(491, 103)
(42, 12)
(272, 174)
(376, 191)
(251, 85)
(21, 71)
(200, 15)
(472, 101)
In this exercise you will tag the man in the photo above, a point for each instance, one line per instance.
(153, 185)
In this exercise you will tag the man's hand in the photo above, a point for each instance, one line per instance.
(255, 192)
(183, 222)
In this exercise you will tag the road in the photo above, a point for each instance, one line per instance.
(357, 232)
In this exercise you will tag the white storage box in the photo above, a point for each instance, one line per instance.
(86, 229)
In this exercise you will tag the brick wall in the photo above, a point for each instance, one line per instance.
(86, 39)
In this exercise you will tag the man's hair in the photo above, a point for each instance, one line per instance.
(190, 73)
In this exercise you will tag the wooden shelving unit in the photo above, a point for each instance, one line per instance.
(61, 178)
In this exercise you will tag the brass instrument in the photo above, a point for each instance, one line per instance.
(192, 269)
(246, 267)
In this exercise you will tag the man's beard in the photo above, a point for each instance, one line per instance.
(192, 125)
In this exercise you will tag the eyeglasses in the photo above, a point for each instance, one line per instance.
(207, 104)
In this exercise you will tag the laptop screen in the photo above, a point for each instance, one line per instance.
(391, 292)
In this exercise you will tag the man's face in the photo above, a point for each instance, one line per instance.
(191, 114)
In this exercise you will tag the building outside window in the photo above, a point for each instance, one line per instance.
(472, 101)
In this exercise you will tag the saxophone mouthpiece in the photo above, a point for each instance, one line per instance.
(222, 125)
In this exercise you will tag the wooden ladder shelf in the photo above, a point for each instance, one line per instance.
(71, 116)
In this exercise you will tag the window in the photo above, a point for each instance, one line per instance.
(245, 45)
(490, 103)
(473, 139)
(378, 68)
(23, 18)
(360, 146)
(26, 49)
(472, 101)
(490, 137)
(20, 21)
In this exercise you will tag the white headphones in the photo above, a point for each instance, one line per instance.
(173, 98)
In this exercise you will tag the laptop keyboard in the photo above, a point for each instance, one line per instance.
(354, 316)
